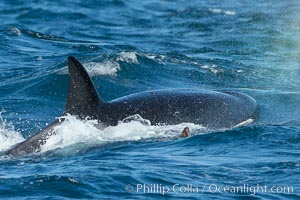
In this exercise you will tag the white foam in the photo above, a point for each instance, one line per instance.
(228, 12)
(14, 31)
(212, 68)
(112, 66)
(204, 67)
(107, 67)
(220, 11)
(216, 10)
(132, 57)
(127, 56)
(8, 136)
(159, 58)
(102, 68)
(74, 131)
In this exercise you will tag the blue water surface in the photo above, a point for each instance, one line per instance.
(132, 46)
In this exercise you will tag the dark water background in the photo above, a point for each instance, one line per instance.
(131, 46)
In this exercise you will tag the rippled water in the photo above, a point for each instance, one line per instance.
(132, 46)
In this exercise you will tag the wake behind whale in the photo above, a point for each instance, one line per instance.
(212, 109)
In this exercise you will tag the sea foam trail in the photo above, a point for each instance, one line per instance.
(92, 133)
(74, 131)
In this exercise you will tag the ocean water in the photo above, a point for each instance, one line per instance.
(133, 46)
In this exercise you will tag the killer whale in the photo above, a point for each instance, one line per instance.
(212, 109)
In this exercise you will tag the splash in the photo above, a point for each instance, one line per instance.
(8, 136)
(102, 68)
(129, 57)
(89, 132)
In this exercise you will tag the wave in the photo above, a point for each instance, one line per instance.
(111, 65)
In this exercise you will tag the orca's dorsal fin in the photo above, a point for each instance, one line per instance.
(83, 99)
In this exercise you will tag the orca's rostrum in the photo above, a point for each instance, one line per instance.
(212, 109)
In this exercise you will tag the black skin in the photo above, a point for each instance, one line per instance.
(212, 109)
